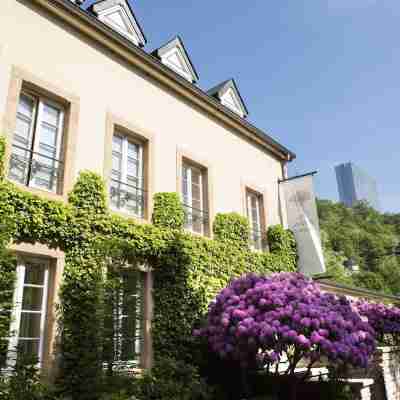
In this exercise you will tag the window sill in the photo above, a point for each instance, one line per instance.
(126, 215)
(39, 192)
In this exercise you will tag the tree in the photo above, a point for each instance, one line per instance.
(368, 237)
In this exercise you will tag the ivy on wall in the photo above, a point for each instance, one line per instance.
(188, 270)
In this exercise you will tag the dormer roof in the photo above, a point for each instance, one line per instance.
(174, 55)
(118, 15)
(228, 94)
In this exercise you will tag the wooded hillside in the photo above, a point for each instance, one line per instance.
(368, 237)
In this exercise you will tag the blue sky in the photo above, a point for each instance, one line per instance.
(321, 76)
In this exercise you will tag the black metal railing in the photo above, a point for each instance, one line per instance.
(128, 198)
(196, 220)
(31, 168)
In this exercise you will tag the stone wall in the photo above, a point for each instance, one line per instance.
(390, 368)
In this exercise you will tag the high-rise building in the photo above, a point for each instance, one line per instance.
(356, 185)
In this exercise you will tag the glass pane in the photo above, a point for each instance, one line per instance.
(197, 223)
(196, 176)
(19, 163)
(117, 144)
(34, 274)
(115, 191)
(51, 115)
(196, 193)
(30, 325)
(29, 347)
(26, 106)
(48, 140)
(184, 172)
(133, 168)
(196, 204)
(117, 164)
(22, 132)
(32, 299)
(133, 150)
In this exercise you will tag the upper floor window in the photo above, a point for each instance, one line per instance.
(30, 310)
(124, 320)
(254, 203)
(194, 188)
(36, 157)
(127, 191)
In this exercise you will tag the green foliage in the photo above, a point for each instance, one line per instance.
(232, 228)
(89, 194)
(368, 237)
(282, 241)
(171, 379)
(168, 211)
(7, 279)
(2, 156)
(24, 383)
(188, 270)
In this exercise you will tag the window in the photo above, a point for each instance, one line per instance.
(254, 204)
(36, 148)
(194, 198)
(30, 309)
(124, 321)
(127, 192)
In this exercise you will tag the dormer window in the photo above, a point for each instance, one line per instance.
(228, 94)
(174, 55)
(118, 15)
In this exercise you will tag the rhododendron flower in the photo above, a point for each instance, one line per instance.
(264, 320)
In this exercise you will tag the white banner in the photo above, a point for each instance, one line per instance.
(302, 217)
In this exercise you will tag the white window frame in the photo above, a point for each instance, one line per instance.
(132, 35)
(259, 201)
(185, 72)
(189, 168)
(235, 106)
(140, 328)
(17, 309)
(34, 135)
(126, 139)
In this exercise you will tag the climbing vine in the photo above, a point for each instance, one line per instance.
(188, 270)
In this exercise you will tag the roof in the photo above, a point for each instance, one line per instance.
(177, 42)
(357, 292)
(154, 68)
(219, 90)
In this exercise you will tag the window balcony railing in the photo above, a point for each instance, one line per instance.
(34, 169)
(196, 220)
(127, 198)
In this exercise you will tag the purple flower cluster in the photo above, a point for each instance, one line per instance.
(385, 320)
(262, 320)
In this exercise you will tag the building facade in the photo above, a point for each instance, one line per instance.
(78, 92)
(356, 185)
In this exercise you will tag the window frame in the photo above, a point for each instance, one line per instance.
(260, 207)
(23, 80)
(17, 310)
(204, 195)
(144, 357)
(39, 101)
(126, 139)
(136, 134)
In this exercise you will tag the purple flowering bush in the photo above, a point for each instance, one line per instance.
(384, 319)
(261, 321)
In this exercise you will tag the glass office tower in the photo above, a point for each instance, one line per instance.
(356, 185)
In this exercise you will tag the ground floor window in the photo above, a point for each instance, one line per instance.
(124, 318)
(30, 310)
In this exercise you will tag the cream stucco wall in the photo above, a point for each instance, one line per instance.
(37, 43)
